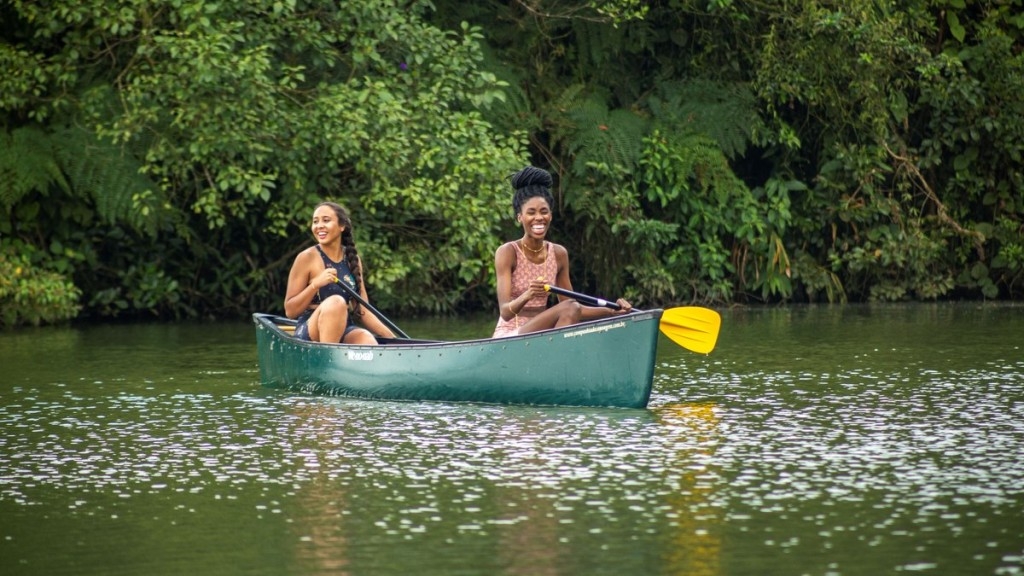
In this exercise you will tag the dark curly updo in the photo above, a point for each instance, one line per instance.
(529, 182)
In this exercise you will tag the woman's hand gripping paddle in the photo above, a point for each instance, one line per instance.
(691, 327)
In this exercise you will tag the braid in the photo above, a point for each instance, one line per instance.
(348, 242)
(529, 182)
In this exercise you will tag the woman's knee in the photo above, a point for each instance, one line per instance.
(565, 313)
(571, 310)
(333, 306)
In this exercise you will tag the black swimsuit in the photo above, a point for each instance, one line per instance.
(344, 275)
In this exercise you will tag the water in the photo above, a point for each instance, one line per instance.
(817, 440)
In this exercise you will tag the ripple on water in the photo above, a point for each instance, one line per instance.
(853, 454)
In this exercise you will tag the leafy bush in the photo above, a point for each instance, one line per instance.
(30, 294)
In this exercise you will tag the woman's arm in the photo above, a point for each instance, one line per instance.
(586, 312)
(504, 258)
(300, 292)
(595, 312)
(562, 275)
(302, 285)
(504, 262)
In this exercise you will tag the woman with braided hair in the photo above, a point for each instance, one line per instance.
(314, 297)
(525, 265)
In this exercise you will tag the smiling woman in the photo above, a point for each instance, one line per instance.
(525, 267)
(315, 296)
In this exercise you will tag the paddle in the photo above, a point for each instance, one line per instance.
(351, 292)
(691, 327)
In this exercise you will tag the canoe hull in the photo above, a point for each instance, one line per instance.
(601, 363)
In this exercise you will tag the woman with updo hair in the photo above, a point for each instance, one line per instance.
(523, 266)
(314, 298)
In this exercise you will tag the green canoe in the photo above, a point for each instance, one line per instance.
(607, 362)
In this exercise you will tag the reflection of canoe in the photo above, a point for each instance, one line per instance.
(607, 362)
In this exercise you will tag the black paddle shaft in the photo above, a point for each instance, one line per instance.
(352, 292)
(591, 300)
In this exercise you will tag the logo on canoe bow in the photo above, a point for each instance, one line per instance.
(594, 329)
(359, 355)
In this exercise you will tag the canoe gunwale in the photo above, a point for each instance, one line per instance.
(274, 322)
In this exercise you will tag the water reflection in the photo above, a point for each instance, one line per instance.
(870, 444)
(694, 548)
(520, 486)
(809, 442)
(318, 522)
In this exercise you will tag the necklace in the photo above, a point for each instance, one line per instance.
(543, 245)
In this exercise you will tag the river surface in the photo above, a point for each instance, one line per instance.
(857, 440)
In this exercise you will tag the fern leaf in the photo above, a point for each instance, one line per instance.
(516, 112)
(27, 164)
(103, 172)
(600, 136)
(725, 112)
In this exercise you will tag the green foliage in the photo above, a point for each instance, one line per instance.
(722, 231)
(27, 164)
(245, 113)
(168, 154)
(880, 244)
(893, 264)
(142, 290)
(727, 112)
(70, 158)
(817, 280)
(912, 158)
(514, 114)
(849, 63)
(1007, 266)
(596, 135)
(34, 83)
(620, 11)
(108, 175)
(30, 294)
(617, 243)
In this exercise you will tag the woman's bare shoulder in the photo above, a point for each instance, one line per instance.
(306, 257)
(506, 249)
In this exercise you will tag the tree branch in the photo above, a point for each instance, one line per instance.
(903, 162)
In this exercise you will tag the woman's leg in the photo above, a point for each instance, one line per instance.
(327, 324)
(564, 313)
(359, 336)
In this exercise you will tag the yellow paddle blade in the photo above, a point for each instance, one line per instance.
(692, 327)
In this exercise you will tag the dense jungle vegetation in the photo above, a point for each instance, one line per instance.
(161, 158)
